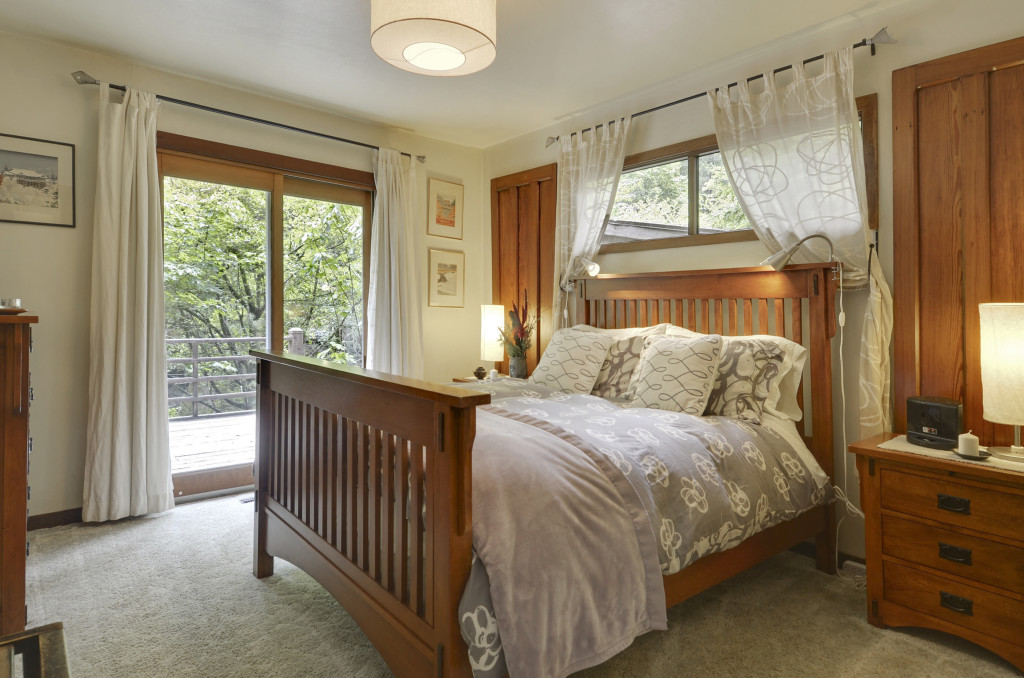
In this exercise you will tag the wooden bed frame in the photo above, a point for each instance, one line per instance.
(363, 479)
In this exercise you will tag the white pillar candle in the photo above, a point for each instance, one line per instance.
(969, 445)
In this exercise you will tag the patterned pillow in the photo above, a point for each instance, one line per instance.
(572, 361)
(622, 358)
(790, 357)
(757, 375)
(676, 373)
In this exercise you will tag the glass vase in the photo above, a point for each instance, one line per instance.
(517, 367)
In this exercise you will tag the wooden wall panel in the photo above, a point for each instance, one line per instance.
(941, 271)
(523, 210)
(958, 216)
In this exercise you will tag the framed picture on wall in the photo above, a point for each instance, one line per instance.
(37, 181)
(444, 209)
(447, 278)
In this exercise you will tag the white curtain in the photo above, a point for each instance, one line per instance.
(794, 155)
(394, 336)
(127, 463)
(589, 166)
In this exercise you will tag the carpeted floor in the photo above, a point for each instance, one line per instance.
(173, 595)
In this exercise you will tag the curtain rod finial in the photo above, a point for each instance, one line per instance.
(421, 158)
(882, 37)
(83, 78)
(549, 141)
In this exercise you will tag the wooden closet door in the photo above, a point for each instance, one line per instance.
(958, 219)
(523, 208)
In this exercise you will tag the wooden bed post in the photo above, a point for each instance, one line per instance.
(821, 300)
(262, 562)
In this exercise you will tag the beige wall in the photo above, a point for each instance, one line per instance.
(50, 268)
(925, 29)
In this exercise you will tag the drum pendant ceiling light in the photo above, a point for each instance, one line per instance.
(434, 37)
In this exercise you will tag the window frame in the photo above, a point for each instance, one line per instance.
(692, 149)
(205, 160)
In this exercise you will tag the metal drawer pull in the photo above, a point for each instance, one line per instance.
(948, 502)
(955, 553)
(956, 603)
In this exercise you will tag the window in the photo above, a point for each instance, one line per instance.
(674, 196)
(680, 195)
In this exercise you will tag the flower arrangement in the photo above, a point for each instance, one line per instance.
(517, 335)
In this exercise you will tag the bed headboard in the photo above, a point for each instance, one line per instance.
(796, 303)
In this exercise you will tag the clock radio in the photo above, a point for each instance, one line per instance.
(934, 422)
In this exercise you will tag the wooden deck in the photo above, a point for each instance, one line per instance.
(211, 442)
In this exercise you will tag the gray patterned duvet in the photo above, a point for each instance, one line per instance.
(580, 507)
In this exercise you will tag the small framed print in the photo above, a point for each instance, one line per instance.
(37, 181)
(447, 278)
(445, 207)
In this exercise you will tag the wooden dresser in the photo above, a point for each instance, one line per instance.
(944, 546)
(15, 344)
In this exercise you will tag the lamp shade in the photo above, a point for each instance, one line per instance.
(434, 37)
(491, 318)
(1002, 362)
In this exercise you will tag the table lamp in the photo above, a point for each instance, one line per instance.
(1002, 371)
(492, 316)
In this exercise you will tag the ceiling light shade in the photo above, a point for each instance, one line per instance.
(434, 37)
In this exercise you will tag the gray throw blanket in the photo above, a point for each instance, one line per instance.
(579, 506)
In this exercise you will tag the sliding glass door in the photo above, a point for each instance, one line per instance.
(252, 259)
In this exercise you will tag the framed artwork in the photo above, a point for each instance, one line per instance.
(37, 181)
(447, 278)
(445, 207)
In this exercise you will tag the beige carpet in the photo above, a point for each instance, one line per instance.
(173, 595)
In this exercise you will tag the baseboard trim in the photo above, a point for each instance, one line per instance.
(55, 519)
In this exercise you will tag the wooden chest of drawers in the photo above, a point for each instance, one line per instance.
(15, 343)
(944, 546)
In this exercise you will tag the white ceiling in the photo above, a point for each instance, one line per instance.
(555, 57)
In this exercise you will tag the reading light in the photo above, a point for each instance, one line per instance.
(591, 267)
(492, 317)
(779, 260)
(434, 37)
(1002, 371)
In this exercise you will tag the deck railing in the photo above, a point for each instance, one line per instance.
(246, 399)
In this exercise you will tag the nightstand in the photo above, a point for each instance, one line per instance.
(944, 545)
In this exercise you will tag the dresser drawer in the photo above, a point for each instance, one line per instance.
(963, 605)
(970, 557)
(977, 508)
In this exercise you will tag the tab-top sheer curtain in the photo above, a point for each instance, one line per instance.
(128, 461)
(795, 158)
(589, 166)
(394, 336)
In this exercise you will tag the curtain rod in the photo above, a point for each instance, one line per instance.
(882, 37)
(83, 78)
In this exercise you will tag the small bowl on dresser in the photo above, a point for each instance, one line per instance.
(11, 306)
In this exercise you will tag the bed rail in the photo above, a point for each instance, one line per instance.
(363, 480)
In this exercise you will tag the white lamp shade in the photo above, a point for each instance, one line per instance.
(491, 318)
(1002, 362)
(434, 37)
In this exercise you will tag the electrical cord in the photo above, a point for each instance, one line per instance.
(842, 492)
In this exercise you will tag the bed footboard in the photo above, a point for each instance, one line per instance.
(363, 480)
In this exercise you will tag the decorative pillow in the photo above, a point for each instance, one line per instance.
(572, 360)
(676, 373)
(622, 358)
(781, 399)
(758, 374)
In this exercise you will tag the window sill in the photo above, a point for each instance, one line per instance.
(684, 241)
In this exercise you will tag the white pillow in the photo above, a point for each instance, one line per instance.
(623, 357)
(572, 361)
(776, 390)
(677, 373)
